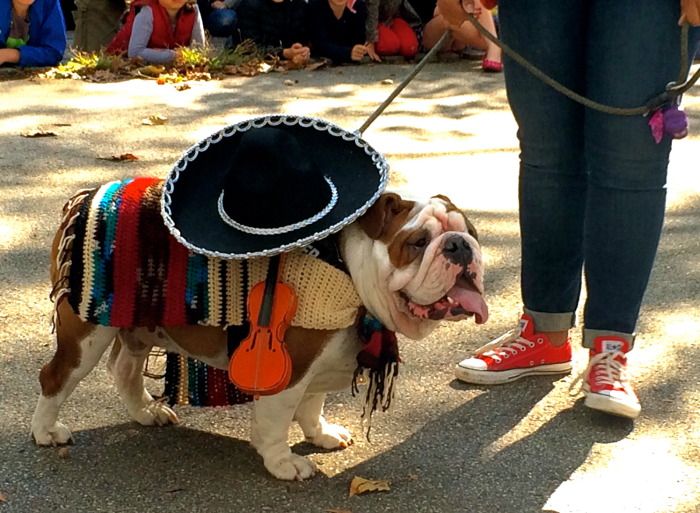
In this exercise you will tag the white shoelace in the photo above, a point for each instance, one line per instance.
(505, 346)
(606, 369)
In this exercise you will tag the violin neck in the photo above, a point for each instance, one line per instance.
(268, 296)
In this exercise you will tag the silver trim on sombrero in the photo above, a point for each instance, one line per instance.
(280, 229)
(270, 120)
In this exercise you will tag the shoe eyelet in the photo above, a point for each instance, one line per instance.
(531, 344)
(507, 355)
(540, 340)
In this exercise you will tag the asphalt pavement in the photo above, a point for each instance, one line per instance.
(443, 446)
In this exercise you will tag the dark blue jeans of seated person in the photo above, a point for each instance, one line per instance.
(221, 22)
(592, 185)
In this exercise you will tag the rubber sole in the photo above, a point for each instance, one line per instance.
(479, 377)
(609, 405)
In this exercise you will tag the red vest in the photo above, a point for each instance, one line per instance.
(163, 35)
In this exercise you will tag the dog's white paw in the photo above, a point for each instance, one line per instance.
(155, 413)
(291, 467)
(332, 436)
(58, 434)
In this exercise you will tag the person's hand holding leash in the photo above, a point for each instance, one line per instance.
(454, 11)
(690, 12)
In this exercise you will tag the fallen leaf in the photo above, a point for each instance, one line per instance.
(63, 453)
(387, 81)
(360, 485)
(338, 510)
(39, 133)
(151, 70)
(3, 497)
(125, 157)
(155, 119)
(316, 65)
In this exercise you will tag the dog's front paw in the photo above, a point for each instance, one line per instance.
(155, 413)
(58, 434)
(291, 467)
(331, 436)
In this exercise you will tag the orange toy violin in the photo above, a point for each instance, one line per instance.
(261, 364)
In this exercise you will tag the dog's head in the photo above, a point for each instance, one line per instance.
(415, 264)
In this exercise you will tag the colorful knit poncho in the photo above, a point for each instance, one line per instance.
(119, 266)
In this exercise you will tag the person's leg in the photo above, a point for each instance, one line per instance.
(433, 31)
(408, 42)
(552, 188)
(387, 42)
(626, 190)
(221, 22)
(493, 52)
(626, 193)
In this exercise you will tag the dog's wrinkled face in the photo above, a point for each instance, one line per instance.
(415, 264)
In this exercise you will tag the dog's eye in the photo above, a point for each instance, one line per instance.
(420, 243)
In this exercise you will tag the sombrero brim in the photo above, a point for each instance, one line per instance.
(191, 191)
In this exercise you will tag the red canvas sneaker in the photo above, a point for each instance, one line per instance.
(606, 385)
(520, 352)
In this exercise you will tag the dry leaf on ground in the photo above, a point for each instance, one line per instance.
(155, 119)
(63, 453)
(360, 485)
(125, 157)
(3, 497)
(39, 133)
(338, 510)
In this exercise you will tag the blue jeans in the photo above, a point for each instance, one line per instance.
(592, 185)
(221, 22)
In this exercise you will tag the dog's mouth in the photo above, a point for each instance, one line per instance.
(461, 301)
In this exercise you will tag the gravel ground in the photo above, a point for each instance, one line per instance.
(444, 446)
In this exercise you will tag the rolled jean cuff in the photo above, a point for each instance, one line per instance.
(545, 321)
(590, 335)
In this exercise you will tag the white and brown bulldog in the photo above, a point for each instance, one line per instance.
(413, 264)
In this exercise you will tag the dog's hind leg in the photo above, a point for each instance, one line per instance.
(272, 416)
(316, 428)
(127, 368)
(79, 347)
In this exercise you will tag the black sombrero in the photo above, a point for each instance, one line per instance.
(269, 185)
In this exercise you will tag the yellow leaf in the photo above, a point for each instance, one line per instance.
(360, 485)
(155, 119)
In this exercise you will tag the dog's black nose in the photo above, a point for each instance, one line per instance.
(457, 250)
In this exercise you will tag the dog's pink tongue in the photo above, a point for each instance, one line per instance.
(471, 301)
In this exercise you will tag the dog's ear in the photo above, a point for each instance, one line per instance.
(385, 216)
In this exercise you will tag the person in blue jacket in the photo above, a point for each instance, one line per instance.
(32, 32)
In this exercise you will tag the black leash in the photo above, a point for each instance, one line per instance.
(672, 94)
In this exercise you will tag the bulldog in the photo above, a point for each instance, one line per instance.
(414, 264)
